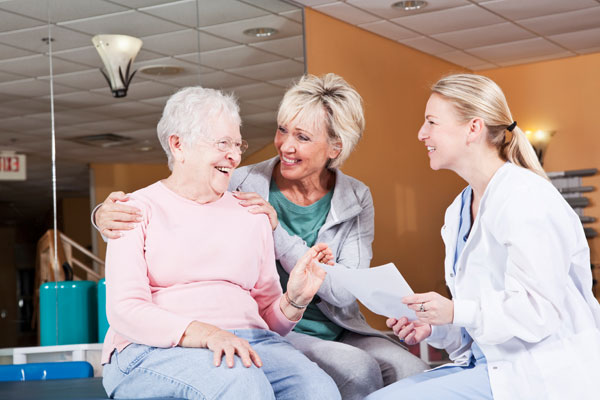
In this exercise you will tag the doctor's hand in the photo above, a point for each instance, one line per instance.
(409, 332)
(431, 308)
(113, 217)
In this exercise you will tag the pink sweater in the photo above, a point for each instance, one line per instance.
(186, 261)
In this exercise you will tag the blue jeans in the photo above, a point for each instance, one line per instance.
(448, 383)
(140, 371)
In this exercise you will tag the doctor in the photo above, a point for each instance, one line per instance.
(522, 322)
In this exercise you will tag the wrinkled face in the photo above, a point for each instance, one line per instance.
(303, 148)
(208, 166)
(444, 136)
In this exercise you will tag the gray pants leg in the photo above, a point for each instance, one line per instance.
(358, 364)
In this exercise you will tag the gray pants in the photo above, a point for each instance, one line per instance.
(358, 364)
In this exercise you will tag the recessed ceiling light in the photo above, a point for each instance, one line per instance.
(260, 32)
(410, 5)
(161, 70)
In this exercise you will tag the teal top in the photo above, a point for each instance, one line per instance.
(305, 222)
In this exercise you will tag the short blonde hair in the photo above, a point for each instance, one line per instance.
(329, 97)
(476, 96)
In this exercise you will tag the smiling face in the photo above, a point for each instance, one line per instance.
(304, 149)
(443, 134)
(205, 165)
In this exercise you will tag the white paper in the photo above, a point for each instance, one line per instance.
(380, 289)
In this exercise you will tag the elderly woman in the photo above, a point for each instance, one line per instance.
(196, 279)
(320, 121)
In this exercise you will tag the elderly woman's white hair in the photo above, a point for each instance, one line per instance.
(190, 113)
(329, 98)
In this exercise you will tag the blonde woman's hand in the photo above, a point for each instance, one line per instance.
(258, 205)
(113, 217)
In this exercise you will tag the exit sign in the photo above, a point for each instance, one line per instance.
(13, 167)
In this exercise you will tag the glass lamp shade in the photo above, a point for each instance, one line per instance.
(539, 141)
(117, 53)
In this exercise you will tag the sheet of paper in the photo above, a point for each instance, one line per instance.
(380, 289)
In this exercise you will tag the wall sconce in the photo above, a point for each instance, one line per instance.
(539, 140)
(117, 53)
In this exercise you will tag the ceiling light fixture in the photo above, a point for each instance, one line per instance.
(410, 5)
(161, 70)
(260, 32)
(117, 53)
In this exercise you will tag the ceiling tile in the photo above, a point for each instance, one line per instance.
(31, 39)
(235, 30)
(292, 47)
(26, 106)
(157, 101)
(7, 77)
(7, 52)
(131, 23)
(22, 124)
(211, 12)
(31, 88)
(256, 91)
(296, 15)
(272, 70)
(427, 45)
(389, 30)
(268, 118)
(510, 52)
(384, 8)
(527, 60)
(11, 22)
(149, 89)
(81, 99)
(38, 65)
(461, 58)
(449, 20)
(216, 80)
(346, 13)
(312, 3)
(127, 109)
(484, 66)
(484, 35)
(518, 9)
(235, 56)
(61, 10)
(271, 103)
(140, 3)
(88, 79)
(274, 6)
(184, 42)
(563, 23)
(580, 40)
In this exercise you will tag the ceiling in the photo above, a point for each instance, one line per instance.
(480, 34)
(204, 37)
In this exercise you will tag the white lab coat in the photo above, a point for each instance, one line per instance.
(522, 290)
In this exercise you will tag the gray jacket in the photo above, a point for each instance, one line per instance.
(348, 230)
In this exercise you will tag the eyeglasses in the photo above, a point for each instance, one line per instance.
(226, 144)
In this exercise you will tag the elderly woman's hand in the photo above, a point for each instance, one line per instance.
(113, 217)
(409, 332)
(258, 205)
(221, 342)
(305, 280)
(431, 308)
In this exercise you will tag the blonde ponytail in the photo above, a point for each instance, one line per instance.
(476, 96)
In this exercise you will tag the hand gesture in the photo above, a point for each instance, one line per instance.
(113, 217)
(431, 308)
(258, 205)
(409, 332)
(306, 277)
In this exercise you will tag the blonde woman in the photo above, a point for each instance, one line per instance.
(308, 200)
(522, 322)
